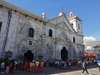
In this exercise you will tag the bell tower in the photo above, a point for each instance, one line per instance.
(76, 22)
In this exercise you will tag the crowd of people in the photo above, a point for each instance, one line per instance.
(28, 64)
(9, 65)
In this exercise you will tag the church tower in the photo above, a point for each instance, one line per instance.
(76, 22)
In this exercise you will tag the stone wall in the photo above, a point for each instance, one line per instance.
(42, 43)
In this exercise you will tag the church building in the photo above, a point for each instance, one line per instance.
(58, 38)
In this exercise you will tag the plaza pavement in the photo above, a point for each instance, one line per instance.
(92, 71)
(57, 71)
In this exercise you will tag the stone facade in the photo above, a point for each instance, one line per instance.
(49, 36)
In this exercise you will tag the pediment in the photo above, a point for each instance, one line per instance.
(62, 21)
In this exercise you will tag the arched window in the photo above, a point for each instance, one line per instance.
(73, 39)
(31, 32)
(50, 32)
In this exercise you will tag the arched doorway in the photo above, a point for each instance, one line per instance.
(28, 56)
(64, 54)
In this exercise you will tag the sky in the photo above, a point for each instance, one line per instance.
(87, 10)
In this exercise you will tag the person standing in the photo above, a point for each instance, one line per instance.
(84, 67)
(2, 67)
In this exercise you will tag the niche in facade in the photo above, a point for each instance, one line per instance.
(73, 39)
(30, 42)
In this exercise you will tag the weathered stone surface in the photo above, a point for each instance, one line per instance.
(42, 44)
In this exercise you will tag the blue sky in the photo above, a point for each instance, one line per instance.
(87, 10)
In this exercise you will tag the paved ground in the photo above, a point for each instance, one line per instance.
(92, 71)
(56, 71)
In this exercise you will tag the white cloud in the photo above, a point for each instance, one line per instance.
(89, 38)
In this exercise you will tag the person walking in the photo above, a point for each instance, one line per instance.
(84, 67)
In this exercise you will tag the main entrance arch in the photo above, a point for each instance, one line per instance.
(64, 54)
